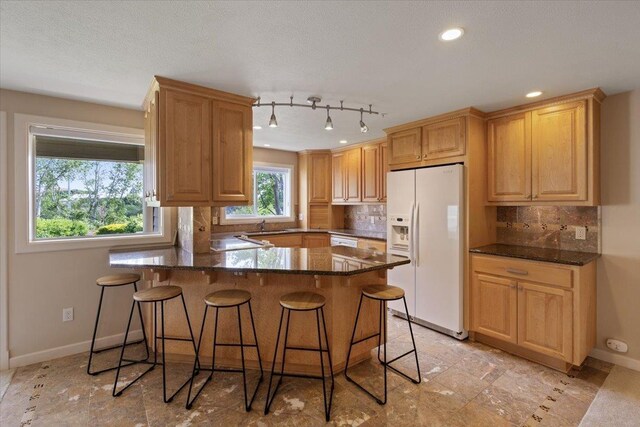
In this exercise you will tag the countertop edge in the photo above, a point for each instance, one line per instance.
(578, 263)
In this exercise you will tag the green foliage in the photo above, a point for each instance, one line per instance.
(96, 193)
(269, 196)
(60, 227)
(112, 229)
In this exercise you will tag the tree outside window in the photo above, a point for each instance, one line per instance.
(271, 195)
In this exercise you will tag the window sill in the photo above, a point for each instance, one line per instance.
(255, 220)
(71, 244)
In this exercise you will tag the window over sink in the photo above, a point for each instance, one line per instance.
(272, 197)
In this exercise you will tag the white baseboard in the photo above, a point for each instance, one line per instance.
(67, 350)
(616, 358)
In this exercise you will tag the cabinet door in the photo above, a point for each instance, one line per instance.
(494, 309)
(509, 163)
(232, 153)
(337, 168)
(316, 240)
(372, 245)
(405, 147)
(559, 157)
(384, 168)
(371, 173)
(284, 240)
(444, 139)
(353, 170)
(319, 178)
(184, 149)
(545, 320)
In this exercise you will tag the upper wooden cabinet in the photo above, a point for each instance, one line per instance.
(314, 189)
(319, 182)
(559, 156)
(405, 147)
(371, 173)
(546, 153)
(384, 168)
(444, 139)
(346, 169)
(509, 162)
(232, 153)
(184, 147)
(201, 142)
(432, 141)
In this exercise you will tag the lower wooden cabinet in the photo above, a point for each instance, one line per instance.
(286, 240)
(316, 240)
(373, 245)
(542, 311)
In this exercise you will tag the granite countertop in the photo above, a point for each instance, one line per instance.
(363, 234)
(332, 261)
(537, 254)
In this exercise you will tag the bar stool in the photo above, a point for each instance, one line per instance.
(383, 294)
(229, 298)
(111, 281)
(302, 301)
(156, 295)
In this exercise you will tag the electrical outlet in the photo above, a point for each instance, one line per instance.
(581, 233)
(373, 220)
(67, 314)
(214, 220)
(617, 345)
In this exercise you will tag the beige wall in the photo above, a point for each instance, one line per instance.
(619, 266)
(42, 284)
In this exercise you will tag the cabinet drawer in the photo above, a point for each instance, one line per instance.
(373, 245)
(284, 240)
(524, 270)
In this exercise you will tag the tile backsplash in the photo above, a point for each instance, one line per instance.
(358, 217)
(549, 227)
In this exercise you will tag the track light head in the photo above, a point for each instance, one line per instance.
(363, 128)
(328, 124)
(273, 123)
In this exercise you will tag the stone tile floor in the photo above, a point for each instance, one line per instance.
(464, 384)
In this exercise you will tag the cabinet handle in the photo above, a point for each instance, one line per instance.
(535, 196)
(513, 286)
(516, 271)
(520, 288)
(425, 156)
(417, 157)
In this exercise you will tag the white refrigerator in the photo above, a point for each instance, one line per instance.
(425, 223)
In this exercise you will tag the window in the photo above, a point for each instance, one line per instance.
(272, 199)
(38, 138)
(84, 186)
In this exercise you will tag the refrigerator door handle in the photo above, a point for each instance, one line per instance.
(416, 234)
(410, 236)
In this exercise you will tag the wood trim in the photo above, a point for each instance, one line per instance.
(596, 94)
(470, 111)
(352, 146)
(202, 91)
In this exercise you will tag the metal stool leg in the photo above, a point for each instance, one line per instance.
(93, 351)
(269, 399)
(193, 372)
(327, 406)
(115, 392)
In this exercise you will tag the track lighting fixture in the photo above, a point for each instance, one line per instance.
(273, 123)
(312, 102)
(363, 128)
(329, 124)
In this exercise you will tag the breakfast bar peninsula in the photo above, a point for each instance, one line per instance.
(338, 273)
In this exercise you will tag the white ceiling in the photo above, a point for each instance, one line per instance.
(384, 53)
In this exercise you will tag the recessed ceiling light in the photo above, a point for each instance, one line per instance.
(451, 34)
(267, 145)
(257, 127)
(534, 94)
(343, 141)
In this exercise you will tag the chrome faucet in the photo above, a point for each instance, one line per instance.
(262, 224)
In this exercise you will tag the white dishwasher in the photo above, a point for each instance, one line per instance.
(344, 241)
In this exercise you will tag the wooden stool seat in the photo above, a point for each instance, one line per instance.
(117, 279)
(383, 292)
(302, 301)
(227, 298)
(158, 293)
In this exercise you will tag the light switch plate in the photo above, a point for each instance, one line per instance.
(67, 314)
(581, 233)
